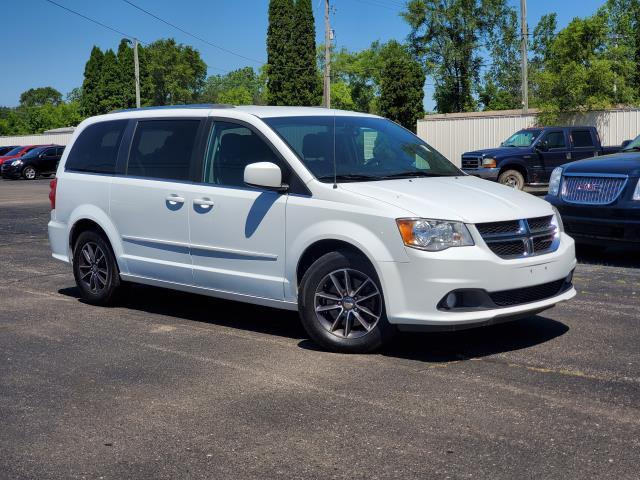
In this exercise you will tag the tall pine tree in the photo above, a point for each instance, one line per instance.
(280, 58)
(126, 72)
(308, 88)
(110, 86)
(90, 98)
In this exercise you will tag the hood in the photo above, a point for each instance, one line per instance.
(625, 163)
(499, 152)
(465, 198)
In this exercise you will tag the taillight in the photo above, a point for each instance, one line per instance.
(52, 193)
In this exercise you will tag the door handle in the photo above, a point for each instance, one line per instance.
(203, 202)
(174, 199)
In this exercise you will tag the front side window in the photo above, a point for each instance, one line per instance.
(523, 138)
(162, 149)
(231, 148)
(581, 138)
(555, 140)
(96, 148)
(359, 148)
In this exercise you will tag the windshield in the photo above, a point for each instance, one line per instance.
(523, 138)
(34, 153)
(15, 151)
(633, 145)
(363, 148)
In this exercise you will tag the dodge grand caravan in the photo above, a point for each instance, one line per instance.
(348, 218)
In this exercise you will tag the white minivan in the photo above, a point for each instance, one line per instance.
(348, 218)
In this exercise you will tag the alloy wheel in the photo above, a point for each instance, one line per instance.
(94, 269)
(29, 173)
(348, 303)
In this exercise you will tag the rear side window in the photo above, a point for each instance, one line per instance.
(582, 138)
(96, 148)
(162, 149)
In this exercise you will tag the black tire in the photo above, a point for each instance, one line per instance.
(512, 178)
(590, 249)
(29, 173)
(105, 285)
(359, 338)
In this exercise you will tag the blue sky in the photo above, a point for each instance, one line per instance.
(44, 45)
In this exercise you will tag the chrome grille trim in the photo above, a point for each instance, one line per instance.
(471, 162)
(592, 188)
(521, 238)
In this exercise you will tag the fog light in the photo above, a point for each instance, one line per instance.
(569, 278)
(451, 300)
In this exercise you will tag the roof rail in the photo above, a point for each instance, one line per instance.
(169, 107)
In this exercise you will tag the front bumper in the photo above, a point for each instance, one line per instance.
(9, 171)
(486, 173)
(413, 290)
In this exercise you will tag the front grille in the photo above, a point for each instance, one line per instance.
(520, 238)
(517, 296)
(470, 162)
(592, 190)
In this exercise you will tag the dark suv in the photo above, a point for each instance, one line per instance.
(39, 161)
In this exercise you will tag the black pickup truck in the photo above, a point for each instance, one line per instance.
(529, 156)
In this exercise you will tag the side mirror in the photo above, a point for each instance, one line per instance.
(543, 146)
(625, 143)
(264, 175)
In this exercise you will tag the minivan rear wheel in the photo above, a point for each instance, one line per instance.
(341, 304)
(95, 269)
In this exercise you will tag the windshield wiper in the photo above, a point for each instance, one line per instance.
(348, 177)
(414, 174)
(629, 149)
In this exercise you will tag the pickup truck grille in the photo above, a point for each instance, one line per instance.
(592, 190)
(470, 162)
(520, 238)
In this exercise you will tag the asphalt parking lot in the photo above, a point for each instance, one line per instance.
(173, 385)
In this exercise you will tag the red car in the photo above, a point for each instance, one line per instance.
(17, 152)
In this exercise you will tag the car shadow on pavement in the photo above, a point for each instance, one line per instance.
(427, 347)
(200, 308)
(627, 257)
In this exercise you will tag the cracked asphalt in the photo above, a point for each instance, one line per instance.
(173, 385)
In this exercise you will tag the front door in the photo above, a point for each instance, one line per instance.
(150, 202)
(237, 232)
(555, 153)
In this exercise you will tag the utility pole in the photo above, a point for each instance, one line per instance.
(524, 53)
(327, 57)
(137, 71)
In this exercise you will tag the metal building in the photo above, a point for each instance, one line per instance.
(60, 136)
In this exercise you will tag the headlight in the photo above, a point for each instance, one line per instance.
(557, 219)
(636, 192)
(16, 162)
(554, 181)
(489, 162)
(433, 235)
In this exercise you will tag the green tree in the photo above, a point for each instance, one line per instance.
(110, 88)
(307, 89)
(35, 97)
(448, 35)
(126, 73)
(177, 72)
(239, 81)
(401, 86)
(502, 88)
(580, 73)
(91, 95)
(280, 60)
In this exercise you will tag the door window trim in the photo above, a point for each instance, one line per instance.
(289, 175)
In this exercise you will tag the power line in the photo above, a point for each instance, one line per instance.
(191, 34)
(96, 22)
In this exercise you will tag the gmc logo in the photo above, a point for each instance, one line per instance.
(588, 187)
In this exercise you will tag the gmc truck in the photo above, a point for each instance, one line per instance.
(529, 156)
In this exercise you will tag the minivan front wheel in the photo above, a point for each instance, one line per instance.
(95, 269)
(341, 304)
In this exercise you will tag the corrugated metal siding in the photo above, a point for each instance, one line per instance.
(452, 136)
(43, 139)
